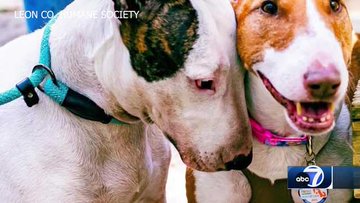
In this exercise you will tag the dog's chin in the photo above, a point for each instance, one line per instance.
(311, 118)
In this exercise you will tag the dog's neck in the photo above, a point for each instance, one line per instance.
(91, 48)
(270, 161)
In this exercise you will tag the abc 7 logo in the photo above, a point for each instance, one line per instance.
(302, 179)
(312, 176)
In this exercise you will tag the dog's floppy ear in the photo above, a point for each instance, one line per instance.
(160, 39)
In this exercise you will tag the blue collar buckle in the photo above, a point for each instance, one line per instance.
(27, 89)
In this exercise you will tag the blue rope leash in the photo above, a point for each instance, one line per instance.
(39, 75)
(55, 89)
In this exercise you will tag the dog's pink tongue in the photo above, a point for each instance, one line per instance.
(315, 110)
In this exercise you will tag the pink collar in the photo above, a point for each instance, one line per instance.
(269, 138)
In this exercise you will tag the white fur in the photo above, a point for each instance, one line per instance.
(271, 163)
(281, 67)
(221, 187)
(214, 53)
(210, 57)
(51, 155)
(285, 69)
(315, 42)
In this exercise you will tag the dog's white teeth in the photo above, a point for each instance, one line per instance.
(332, 107)
(323, 119)
(304, 118)
(311, 120)
(298, 108)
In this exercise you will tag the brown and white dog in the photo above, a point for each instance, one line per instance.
(297, 54)
(175, 68)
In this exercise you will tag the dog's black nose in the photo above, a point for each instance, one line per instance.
(240, 162)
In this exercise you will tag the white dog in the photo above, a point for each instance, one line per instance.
(297, 53)
(175, 66)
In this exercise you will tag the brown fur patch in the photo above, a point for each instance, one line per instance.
(258, 30)
(140, 40)
(190, 186)
(339, 24)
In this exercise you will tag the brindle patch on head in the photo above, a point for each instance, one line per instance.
(161, 38)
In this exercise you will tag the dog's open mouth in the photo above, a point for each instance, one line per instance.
(309, 117)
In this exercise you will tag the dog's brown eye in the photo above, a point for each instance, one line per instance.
(269, 7)
(205, 84)
(335, 5)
